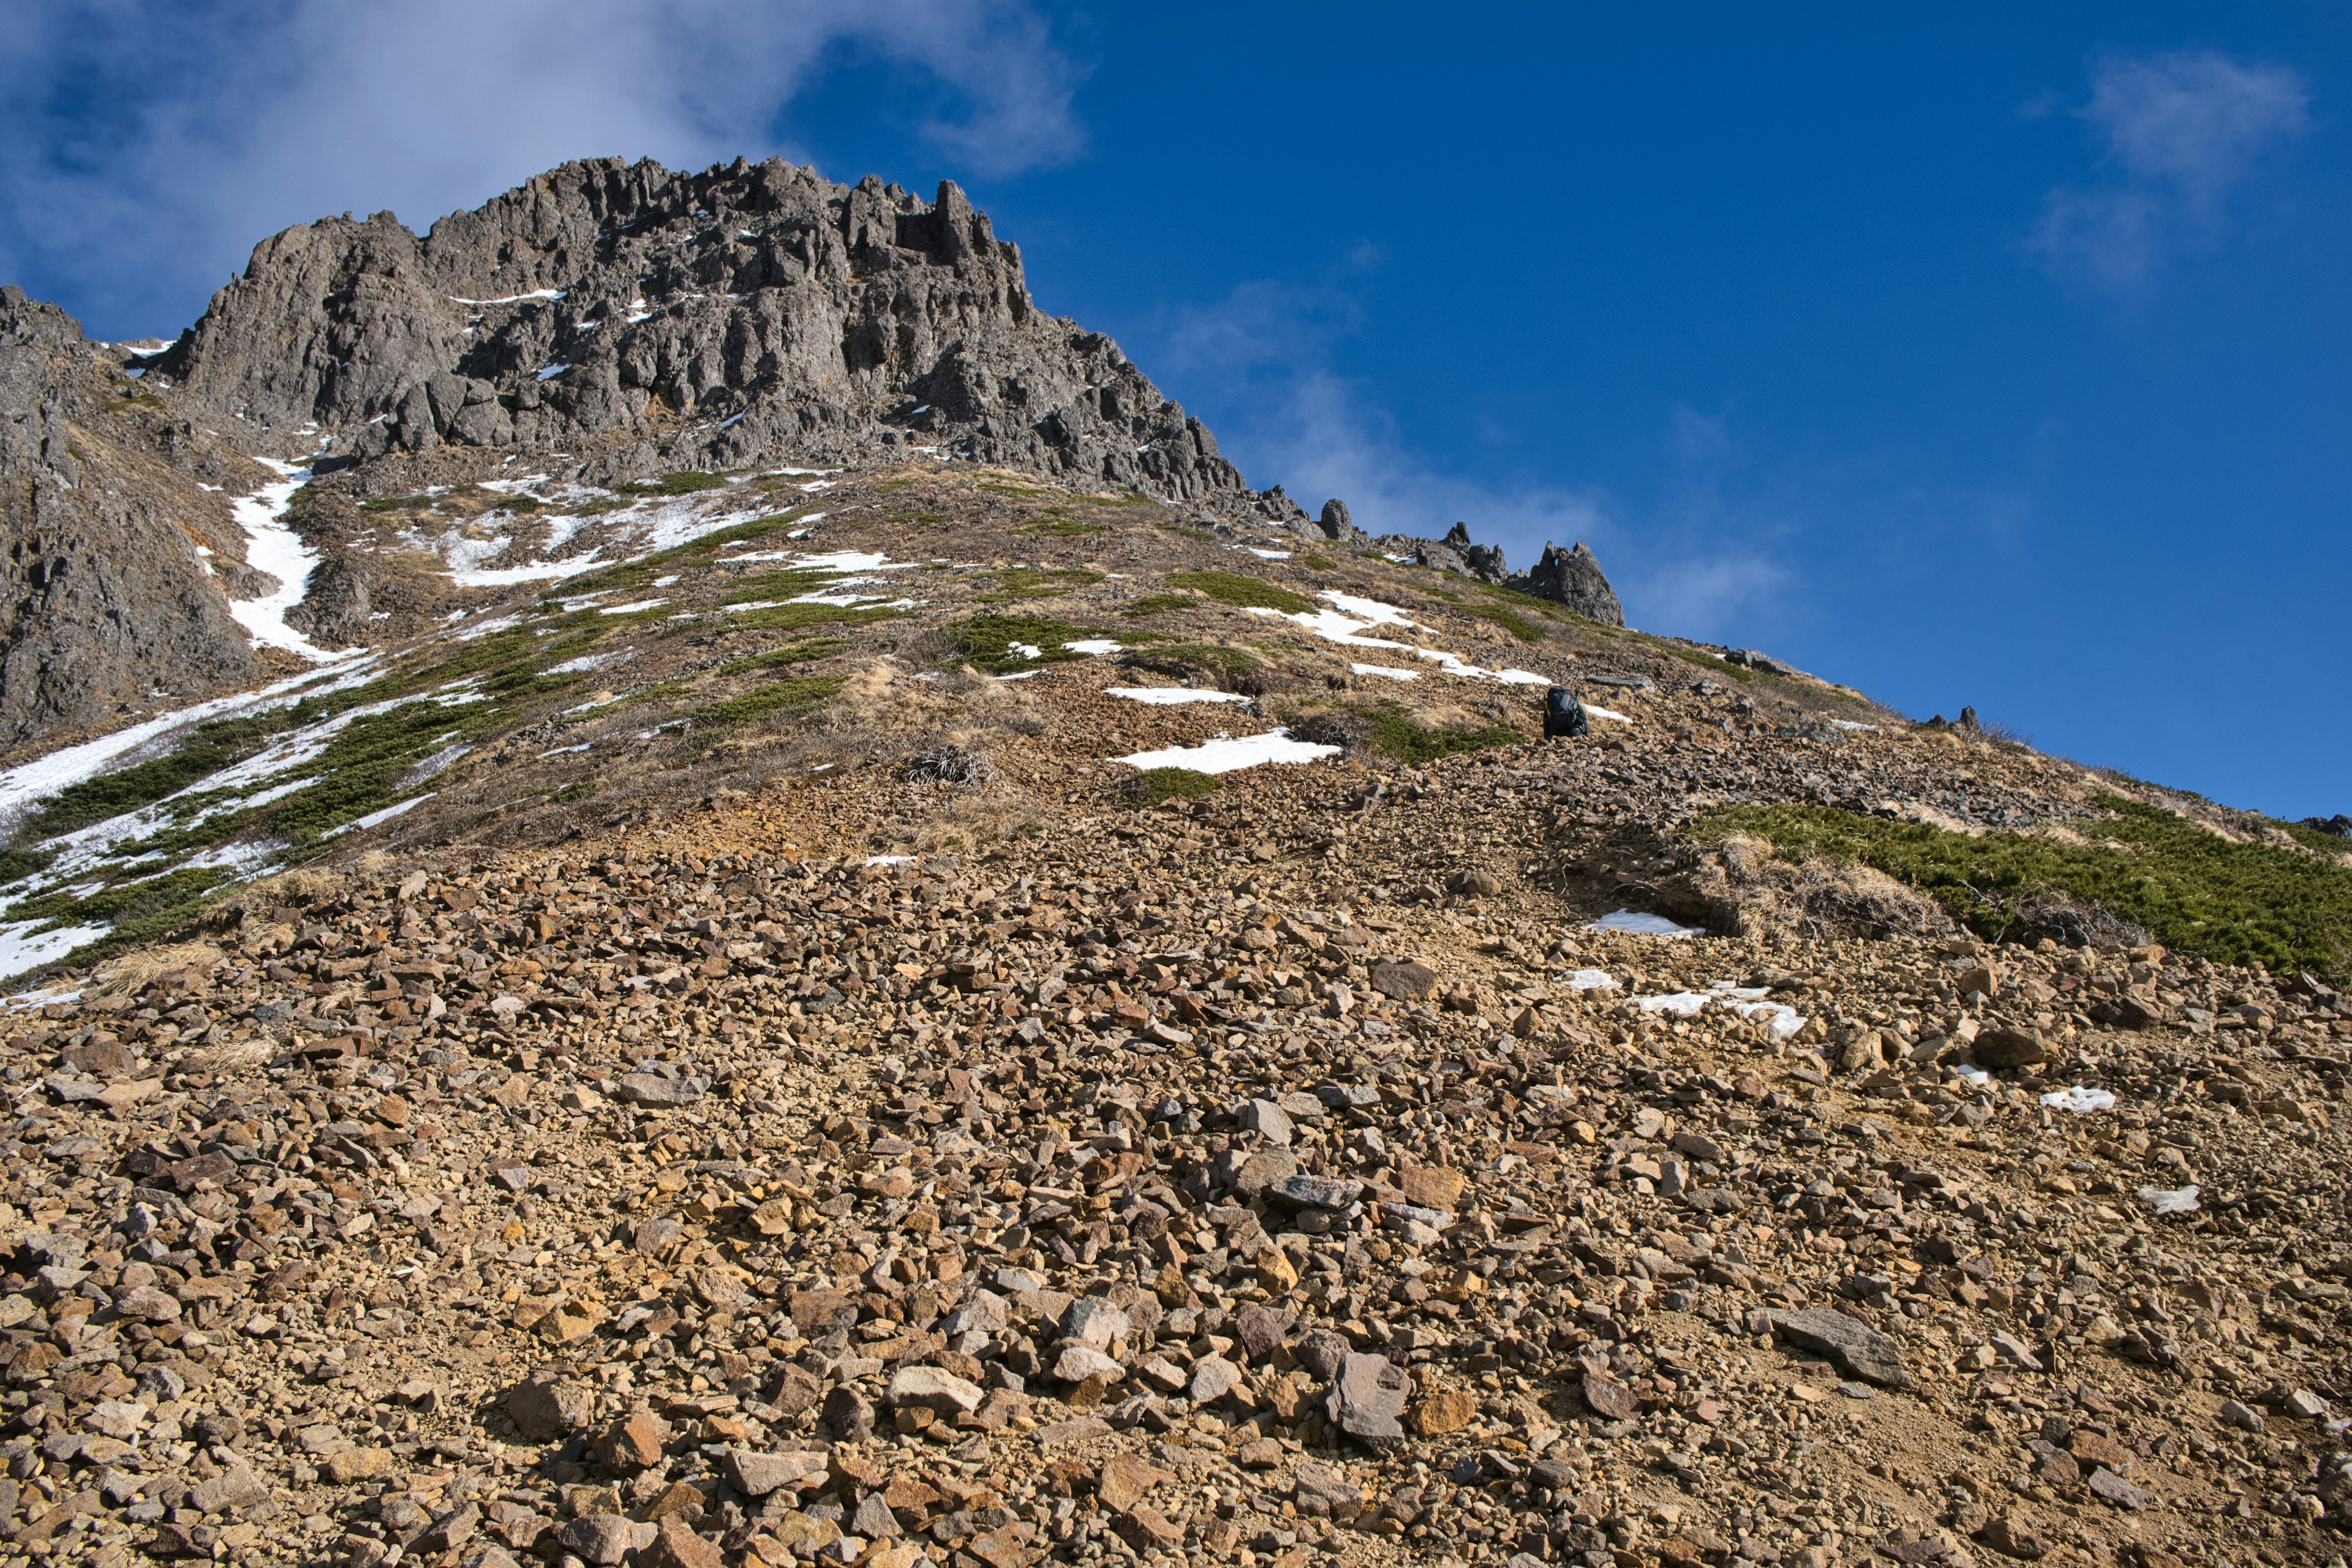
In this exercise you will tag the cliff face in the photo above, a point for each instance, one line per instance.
(116, 554)
(632, 316)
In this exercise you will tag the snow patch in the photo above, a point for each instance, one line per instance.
(1642, 925)
(1227, 754)
(272, 547)
(24, 945)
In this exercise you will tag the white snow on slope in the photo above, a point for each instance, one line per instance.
(1351, 617)
(23, 947)
(44, 776)
(271, 546)
(1226, 754)
(510, 298)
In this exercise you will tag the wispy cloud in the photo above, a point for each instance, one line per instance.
(2179, 131)
(153, 140)
(1260, 362)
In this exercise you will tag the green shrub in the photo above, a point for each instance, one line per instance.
(1318, 562)
(1153, 785)
(1186, 658)
(987, 641)
(1062, 528)
(798, 653)
(798, 695)
(1395, 734)
(685, 482)
(213, 747)
(1153, 604)
(1203, 535)
(2191, 889)
(15, 865)
(1249, 593)
(1518, 626)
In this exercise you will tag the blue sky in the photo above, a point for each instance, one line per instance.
(2001, 357)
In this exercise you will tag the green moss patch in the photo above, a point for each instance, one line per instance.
(799, 695)
(1156, 603)
(1248, 593)
(987, 641)
(1517, 625)
(1190, 657)
(685, 482)
(1395, 734)
(1153, 785)
(2190, 887)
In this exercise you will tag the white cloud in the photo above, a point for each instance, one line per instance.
(2179, 130)
(1261, 361)
(154, 142)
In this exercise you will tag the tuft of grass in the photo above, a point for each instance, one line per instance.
(798, 618)
(1153, 604)
(1203, 535)
(1319, 562)
(1062, 528)
(796, 695)
(987, 641)
(999, 487)
(1395, 734)
(1249, 593)
(685, 482)
(2191, 889)
(1153, 785)
(134, 400)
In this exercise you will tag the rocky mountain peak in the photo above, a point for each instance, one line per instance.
(638, 317)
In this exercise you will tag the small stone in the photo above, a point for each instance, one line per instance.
(1077, 1363)
(1213, 1377)
(756, 1474)
(1124, 1480)
(636, 1442)
(1269, 1121)
(1448, 1410)
(2007, 1047)
(1851, 1344)
(546, 1408)
(1608, 1398)
(358, 1465)
(676, 1545)
(1366, 1399)
(1093, 1323)
(1405, 982)
(2106, 1483)
(1432, 1187)
(653, 1088)
(600, 1540)
(935, 1390)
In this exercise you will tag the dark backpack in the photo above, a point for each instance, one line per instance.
(1564, 715)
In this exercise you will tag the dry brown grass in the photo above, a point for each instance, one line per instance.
(1743, 890)
(134, 972)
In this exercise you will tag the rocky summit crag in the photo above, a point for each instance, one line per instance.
(628, 315)
(609, 1000)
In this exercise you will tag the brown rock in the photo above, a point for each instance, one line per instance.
(1151, 1530)
(2013, 1536)
(358, 1465)
(1431, 1186)
(2007, 1047)
(1123, 1481)
(635, 1442)
(1448, 1410)
(1405, 982)
(1608, 1398)
(677, 1546)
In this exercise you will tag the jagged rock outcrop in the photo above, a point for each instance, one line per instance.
(105, 600)
(634, 318)
(1574, 578)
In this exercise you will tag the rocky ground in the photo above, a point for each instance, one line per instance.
(1286, 1175)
